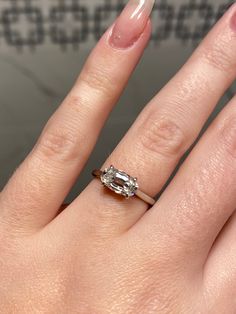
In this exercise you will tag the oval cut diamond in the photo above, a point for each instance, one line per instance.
(119, 182)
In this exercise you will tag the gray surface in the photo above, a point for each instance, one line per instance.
(32, 85)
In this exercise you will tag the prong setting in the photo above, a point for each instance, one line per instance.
(119, 182)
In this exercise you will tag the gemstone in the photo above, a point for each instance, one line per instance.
(119, 182)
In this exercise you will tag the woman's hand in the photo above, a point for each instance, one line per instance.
(108, 254)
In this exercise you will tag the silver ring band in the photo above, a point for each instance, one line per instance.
(121, 183)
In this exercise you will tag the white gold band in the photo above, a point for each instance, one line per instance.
(121, 183)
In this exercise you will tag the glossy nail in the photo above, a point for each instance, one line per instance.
(131, 23)
(233, 20)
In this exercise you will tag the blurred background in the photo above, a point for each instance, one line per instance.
(43, 45)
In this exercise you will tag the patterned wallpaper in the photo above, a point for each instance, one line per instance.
(34, 23)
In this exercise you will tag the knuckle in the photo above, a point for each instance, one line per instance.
(219, 55)
(57, 144)
(227, 134)
(74, 101)
(162, 135)
(79, 105)
(98, 80)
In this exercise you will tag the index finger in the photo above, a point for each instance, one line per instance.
(41, 183)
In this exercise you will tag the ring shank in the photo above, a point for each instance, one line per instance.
(144, 197)
(141, 195)
(97, 173)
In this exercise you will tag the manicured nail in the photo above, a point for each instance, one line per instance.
(131, 23)
(233, 21)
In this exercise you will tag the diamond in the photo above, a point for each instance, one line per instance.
(119, 182)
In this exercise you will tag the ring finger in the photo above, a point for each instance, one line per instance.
(168, 125)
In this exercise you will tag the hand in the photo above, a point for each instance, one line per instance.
(107, 254)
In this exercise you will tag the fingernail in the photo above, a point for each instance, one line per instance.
(233, 21)
(131, 23)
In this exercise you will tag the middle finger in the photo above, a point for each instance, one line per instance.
(171, 122)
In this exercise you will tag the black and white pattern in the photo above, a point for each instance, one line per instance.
(33, 23)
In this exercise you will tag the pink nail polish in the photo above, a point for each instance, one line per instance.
(233, 21)
(131, 23)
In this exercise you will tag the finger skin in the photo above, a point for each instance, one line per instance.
(40, 184)
(201, 198)
(171, 122)
(220, 268)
